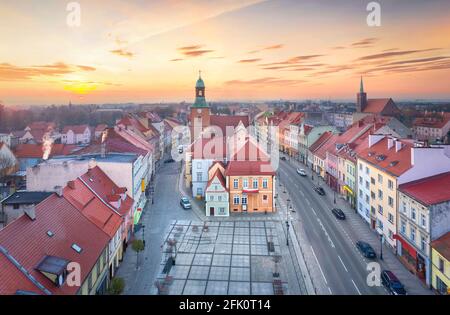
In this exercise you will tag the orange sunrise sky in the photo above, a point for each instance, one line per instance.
(151, 51)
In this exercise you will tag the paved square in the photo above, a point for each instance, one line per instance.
(222, 258)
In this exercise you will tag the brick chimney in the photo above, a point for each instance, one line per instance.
(30, 211)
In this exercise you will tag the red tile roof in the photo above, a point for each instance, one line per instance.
(82, 198)
(432, 121)
(228, 121)
(77, 129)
(219, 176)
(376, 105)
(27, 241)
(442, 245)
(329, 145)
(321, 140)
(28, 150)
(394, 162)
(430, 190)
(249, 168)
(12, 279)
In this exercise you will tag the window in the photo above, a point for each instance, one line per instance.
(211, 198)
(412, 235)
(367, 185)
(360, 180)
(199, 177)
(391, 218)
(390, 184)
(423, 243)
(372, 181)
(219, 198)
(360, 193)
(265, 198)
(380, 225)
(372, 194)
(403, 227)
(380, 209)
(245, 183)
(235, 183)
(367, 199)
(380, 179)
(360, 166)
(199, 165)
(404, 207)
(390, 234)
(199, 191)
(236, 199)
(255, 183)
(221, 210)
(413, 214)
(367, 170)
(380, 194)
(15, 206)
(244, 199)
(265, 183)
(441, 265)
(423, 220)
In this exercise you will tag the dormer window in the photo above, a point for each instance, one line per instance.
(76, 248)
(54, 268)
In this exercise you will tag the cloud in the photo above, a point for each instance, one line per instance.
(194, 50)
(364, 43)
(394, 54)
(421, 60)
(271, 47)
(122, 53)
(249, 60)
(338, 47)
(265, 81)
(293, 60)
(177, 59)
(13, 72)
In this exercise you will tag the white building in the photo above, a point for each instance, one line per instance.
(78, 134)
(217, 203)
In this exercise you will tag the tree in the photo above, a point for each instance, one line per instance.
(117, 286)
(138, 246)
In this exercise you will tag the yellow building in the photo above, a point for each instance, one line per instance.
(440, 264)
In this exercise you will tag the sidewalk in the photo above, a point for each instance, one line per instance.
(360, 230)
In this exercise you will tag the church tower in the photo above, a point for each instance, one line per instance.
(361, 98)
(200, 111)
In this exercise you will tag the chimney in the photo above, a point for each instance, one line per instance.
(92, 163)
(398, 146)
(59, 191)
(30, 212)
(71, 184)
(373, 139)
(390, 143)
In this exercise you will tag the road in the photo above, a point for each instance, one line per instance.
(341, 265)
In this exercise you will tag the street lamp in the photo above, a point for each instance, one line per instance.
(381, 247)
(334, 196)
(287, 221)
(143, 234)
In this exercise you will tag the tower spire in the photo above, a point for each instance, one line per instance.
(361, 88)
(200, 74)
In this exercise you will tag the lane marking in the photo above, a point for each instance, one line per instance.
(318, 264)
(359, 292)
(326, 233)
(329, 289)
(314, 211)
(342, 263)
(307, 201)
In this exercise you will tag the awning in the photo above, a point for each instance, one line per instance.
(250, 191)
(406, 246)
(348, 189)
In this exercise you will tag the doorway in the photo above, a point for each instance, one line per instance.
(211, 210)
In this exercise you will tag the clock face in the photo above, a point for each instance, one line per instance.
(199, 110)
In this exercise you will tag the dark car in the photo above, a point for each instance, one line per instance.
(338, 213)
(169, 161)
(319, 190)
(185, 203)
(283, 158)
(392, 284)
(366, 249)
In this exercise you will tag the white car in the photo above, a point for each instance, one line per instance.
(301, 172)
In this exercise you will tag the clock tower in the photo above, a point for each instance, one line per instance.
(200, 111)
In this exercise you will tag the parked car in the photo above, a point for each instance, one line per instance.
(366, 249)
(283, 158)
(301, 172)
(185, 203)
(392, 284)
(169, 161)
(319, 190)
(338, 213)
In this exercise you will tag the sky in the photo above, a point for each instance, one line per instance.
(152, 51)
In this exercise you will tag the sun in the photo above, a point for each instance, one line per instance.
(80, 87)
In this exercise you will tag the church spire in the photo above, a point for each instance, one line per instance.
(361, 87)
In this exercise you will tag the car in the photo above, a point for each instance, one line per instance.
(301, 172)
(392, 284)
(185, 203)
(338, 213)
(319, 190)
(366, 249)
(169, 161)
(283, 158)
